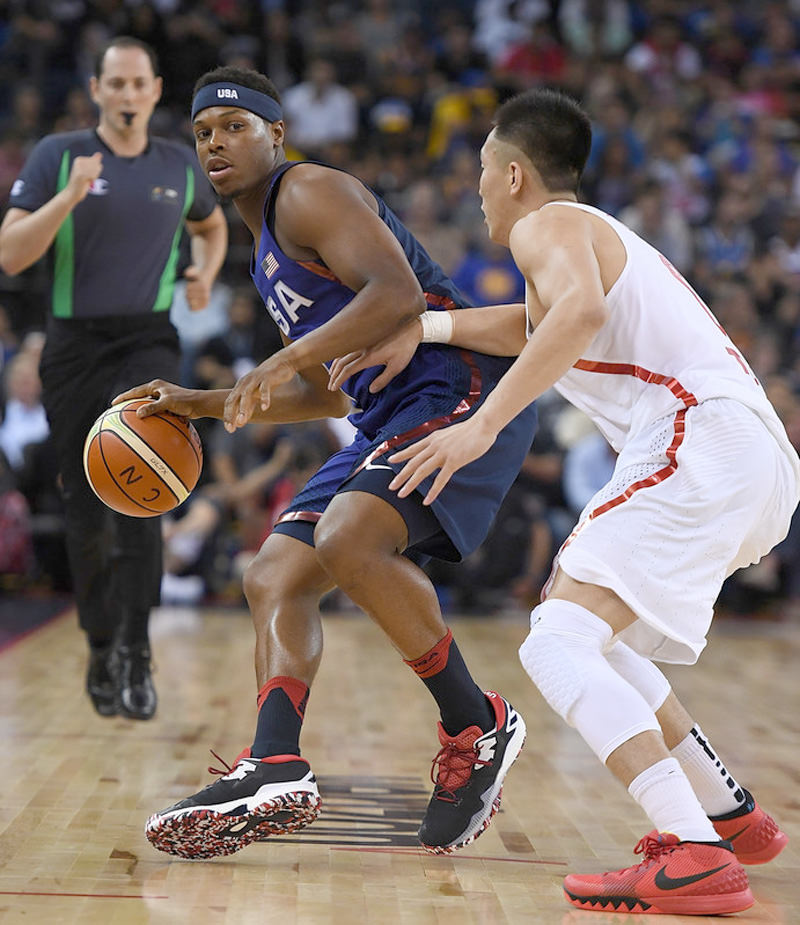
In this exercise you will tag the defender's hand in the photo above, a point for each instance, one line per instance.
(394, 353)
(447, 450)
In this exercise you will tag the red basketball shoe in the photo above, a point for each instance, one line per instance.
(676, 877)
(754, 834)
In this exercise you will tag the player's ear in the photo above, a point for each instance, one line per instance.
(515, 177)
(159, 87)
(278, 132)
(93, 84)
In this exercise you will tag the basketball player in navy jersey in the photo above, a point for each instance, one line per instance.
(337, 272)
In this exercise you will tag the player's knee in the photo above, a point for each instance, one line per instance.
(348, 548)
(257, 583)
(267, 579)
(640, 673)
(562, 637)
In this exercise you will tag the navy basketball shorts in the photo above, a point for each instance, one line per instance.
(458, 520)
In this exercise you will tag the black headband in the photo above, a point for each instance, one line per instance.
(229, 94)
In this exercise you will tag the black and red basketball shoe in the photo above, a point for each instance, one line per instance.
(258, 797)
(468, 772)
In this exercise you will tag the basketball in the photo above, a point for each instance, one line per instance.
(142, 467)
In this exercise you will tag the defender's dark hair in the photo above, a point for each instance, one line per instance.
(245, 77)
(552, 130)
(125, 41)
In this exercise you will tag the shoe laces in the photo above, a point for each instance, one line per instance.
(452, 767)
(245, 753)
(653, 846)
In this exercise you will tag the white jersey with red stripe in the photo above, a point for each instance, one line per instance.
(699, 490)
(660, 350)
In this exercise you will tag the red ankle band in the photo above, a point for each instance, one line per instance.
(434, 660)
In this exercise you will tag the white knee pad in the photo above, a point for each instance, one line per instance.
(563, 656)
(641, 673)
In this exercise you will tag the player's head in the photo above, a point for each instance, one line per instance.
(239, 87)
(126, 85)
(537, 149)
(238, 129)
(552, 131)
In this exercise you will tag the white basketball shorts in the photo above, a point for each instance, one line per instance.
(693, 498)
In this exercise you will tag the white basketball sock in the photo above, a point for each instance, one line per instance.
(716, 789)
(665, 794)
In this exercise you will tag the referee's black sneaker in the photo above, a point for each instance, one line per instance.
(101, 679)
(137, 696)
(469, 771)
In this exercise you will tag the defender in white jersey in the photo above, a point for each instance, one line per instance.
(706, 482)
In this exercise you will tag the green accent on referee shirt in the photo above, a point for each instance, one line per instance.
(64, 256)
(166, 285)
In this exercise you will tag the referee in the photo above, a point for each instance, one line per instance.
(109, 205)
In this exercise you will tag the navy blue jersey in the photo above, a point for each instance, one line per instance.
(303, 295)
(116, 254)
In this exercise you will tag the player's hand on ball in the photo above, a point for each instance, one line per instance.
(165, 396)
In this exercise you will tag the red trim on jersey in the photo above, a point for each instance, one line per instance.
(308, 516)
(679, 432)
(319, 270)
(422, 430)
(439, 300)
(628, 369)
(684, 283)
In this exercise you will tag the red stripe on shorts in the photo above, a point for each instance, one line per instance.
(422, 430)
(679, 432)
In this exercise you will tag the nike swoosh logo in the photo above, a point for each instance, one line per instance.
(664, 882)
(740, 832)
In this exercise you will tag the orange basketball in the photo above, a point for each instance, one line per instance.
(142, 467)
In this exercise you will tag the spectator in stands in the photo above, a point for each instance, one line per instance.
(320, 111)
(24, 420)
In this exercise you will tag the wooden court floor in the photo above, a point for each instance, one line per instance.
(76, 788)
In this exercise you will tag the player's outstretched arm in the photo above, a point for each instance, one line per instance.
(166, 396)
(556, 255)
(498, 330)
(304, 398)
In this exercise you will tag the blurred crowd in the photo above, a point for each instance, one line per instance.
(696, 114)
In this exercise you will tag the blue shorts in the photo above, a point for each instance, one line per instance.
(459, 519)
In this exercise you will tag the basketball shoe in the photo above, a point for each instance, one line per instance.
(469, 771)
(676, 877)
(256, 798)
(754, 834)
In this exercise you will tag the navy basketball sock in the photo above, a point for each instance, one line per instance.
(461, 702)
(281, 707)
